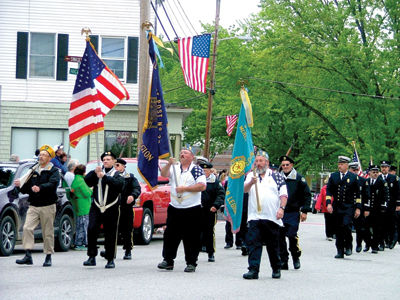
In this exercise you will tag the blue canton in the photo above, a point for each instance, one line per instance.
(279, 179)
(201, 45)
(197, 172)
(90, 68)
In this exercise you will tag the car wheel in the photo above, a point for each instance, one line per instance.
(8, 236)
(145, 233)
(65, 233)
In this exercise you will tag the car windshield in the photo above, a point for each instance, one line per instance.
(131, 167)
(6, 176)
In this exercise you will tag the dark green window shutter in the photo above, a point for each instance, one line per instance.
(62, 51)
(22, 55)
(132, 71)
(94, 39)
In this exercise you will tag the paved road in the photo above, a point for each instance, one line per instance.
(360, 276)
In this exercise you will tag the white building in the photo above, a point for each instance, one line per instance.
(36, 82)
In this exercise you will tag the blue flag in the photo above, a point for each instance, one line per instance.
(241, 163)
(155, 143)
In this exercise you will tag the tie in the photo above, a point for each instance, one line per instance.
(341, 176)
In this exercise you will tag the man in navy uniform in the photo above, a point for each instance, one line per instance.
(393, 206)
(343, 187)
(129, 194)
(211, 200)
(107, 185)
(360, 223)
(299, 200)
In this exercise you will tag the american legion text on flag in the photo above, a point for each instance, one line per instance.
(97, 90)
(241, 163)
(194, 53)
(155, 143)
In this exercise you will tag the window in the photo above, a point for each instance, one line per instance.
(25, 141)
(113, 54)
(42, 55)
(121, 143)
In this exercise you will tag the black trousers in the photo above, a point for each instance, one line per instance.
(390, 225)
(263, 232)
(375, 224)
(109, 219)
(184, 225)
(291, 222)
(241, 234)
(329, 225)
(343, 229)
(209, 220)
(360, 224)
(125, 227)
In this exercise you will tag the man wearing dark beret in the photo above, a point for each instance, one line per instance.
(129, 194)
(297, 206)
(107, 185)
(211, 200)
(343, 187)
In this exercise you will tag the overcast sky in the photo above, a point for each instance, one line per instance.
(203, 12)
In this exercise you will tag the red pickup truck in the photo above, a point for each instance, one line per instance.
(150, 208)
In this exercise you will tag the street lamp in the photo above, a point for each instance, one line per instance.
(212, 91)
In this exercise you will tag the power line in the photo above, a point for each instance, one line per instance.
(182, 17)
(187, 17)
(326, 90)
(189, 99)
(166, 14)
(177, 21)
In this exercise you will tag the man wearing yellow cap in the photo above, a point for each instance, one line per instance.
(41, 185)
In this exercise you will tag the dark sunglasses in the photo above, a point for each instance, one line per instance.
(285, 165)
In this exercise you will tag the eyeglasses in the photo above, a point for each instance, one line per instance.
(285, 165)
(117, 165)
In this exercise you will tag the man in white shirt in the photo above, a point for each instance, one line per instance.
(267, 200)
(184, 211)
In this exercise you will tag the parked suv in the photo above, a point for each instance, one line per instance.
(14, 205)
(150, 208)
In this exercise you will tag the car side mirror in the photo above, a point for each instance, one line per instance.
(162, 180)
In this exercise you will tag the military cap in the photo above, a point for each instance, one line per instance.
(354, 165)
(108, 153)
(189, 148)
(273, 167)
(49, 150)
(385, 163)
(201, 159)
(263, 153)
(121, 161)
(285, 157)
(393, 168)
(374, 168)
(206, 165)
(343, 159)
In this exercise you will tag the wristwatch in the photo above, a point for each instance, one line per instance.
(283, 208)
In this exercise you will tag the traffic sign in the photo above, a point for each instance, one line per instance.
(73, 58)
(73, 71)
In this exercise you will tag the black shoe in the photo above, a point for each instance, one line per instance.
(339, 255)
(296, 263)
(244, 251)
(392, 244)
(366, 249)
(127, 255)
(90, 262)
(211, 258)
(348, 252)
(381, 248)
(250, 275)
(190, 268)
(47, 261)
(358, 249)
(110, 264)
(227, 246)
(26, 260)
(164, 265)
(276, 274)
(103, 253)
(374, 251)
(284, 266)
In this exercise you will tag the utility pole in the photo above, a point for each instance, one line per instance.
(144, 68)
(211, 91)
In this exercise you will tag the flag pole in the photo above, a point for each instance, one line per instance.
(211, 92)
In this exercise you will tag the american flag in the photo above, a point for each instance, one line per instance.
(97, 90)
(357, 159)
(194, 53)
(230, 123)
